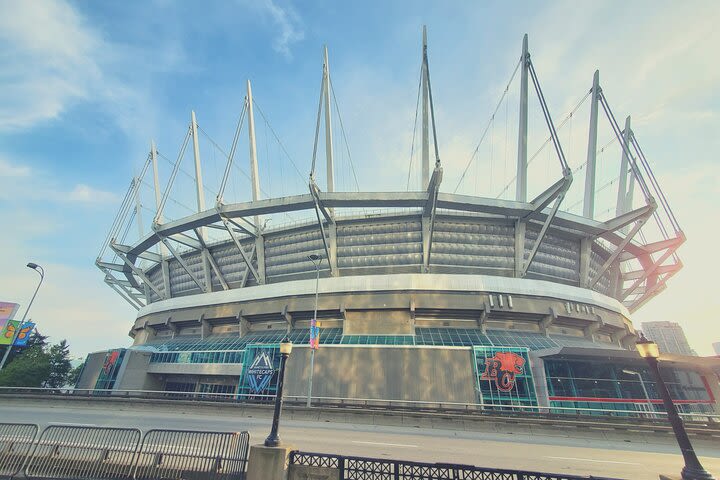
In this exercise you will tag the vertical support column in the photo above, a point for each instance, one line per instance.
(254, 176)
(520, 227)
(260, 252)
(162, 248)
(332, 245)
(328, 126)
(425, 118)
(521, 179)
(585, 250)
(200, 199)
(589, 200)
(621, 207)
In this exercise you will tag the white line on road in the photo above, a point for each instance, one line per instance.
(385, 444)
(73, 424)
(596, 461)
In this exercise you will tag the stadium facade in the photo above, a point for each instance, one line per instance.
(440, 297)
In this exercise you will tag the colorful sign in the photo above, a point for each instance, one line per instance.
(110, 360)
(7, 311)
(260, 372)
(314, 334)
(24, 334)
(502, 368)
(8, 332)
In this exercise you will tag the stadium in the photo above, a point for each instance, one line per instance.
(424, 296)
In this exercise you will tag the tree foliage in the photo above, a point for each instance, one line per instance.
(38, 365)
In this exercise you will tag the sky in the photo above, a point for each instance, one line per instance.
(85, 86)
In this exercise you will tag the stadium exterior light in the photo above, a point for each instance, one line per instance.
(692, 470)
(273, 440)
(41, 272)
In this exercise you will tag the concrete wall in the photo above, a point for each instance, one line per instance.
(396, 373)
(135, 373)
(374, 322)
(91, 372)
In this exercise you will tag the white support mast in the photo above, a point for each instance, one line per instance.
(328, 125)
(254, 175)
(198, 168)
(425, 117)
(589, 200)
(521, 180)
(622, 206)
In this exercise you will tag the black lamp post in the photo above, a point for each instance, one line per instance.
(692, 470)
(273, 440)
(41, 272)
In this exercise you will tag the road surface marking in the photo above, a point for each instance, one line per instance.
(73, 424)
(596, 461)
(385, 444)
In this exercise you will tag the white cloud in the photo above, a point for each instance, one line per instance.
(287, 22)
(85, 194)
(48, 55)
(8, 170)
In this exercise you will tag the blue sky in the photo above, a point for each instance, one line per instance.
(85, 86)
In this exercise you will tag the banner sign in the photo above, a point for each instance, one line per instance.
(7, 311)
(260, 372)
(314, 334)
(8, 331)
(502, 368)
(24, 334)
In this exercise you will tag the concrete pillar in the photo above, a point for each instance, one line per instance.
(268, 463)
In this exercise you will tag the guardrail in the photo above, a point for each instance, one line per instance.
(598, 414)
(16, 440)
(108, 453)
(361, 468)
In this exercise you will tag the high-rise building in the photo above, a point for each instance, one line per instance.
(669, 336)
(716, 347)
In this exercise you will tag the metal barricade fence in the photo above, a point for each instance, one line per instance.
(188, 455)
(16, 440)
(360, 468)
(81, 452)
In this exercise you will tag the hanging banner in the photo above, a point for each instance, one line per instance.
(314, 334)
(8, 331)
(7, 311)
(24, 334)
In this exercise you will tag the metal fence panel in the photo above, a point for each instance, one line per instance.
(192, 455)
(360, 468)
(85, 453)
(16, 440)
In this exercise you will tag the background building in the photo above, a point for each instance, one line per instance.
(669, 336)
(422, 296)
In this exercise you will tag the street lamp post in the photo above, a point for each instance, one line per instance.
(41, 272)
(315, 259)
(642, 384)
(273, 440)
(692, 470)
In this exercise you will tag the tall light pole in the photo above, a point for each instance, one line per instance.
(273, 440)
(41, 272)
(642, 384)
(315, 259)
(692, 470)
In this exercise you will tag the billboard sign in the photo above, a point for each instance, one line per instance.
(502, 367)
(260, 372)
(8, 332)
(24, 334)
(7, 311)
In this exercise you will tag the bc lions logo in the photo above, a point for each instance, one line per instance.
(502, 368)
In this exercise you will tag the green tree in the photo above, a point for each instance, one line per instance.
(74, 375)
(59, 365)
(31, 369)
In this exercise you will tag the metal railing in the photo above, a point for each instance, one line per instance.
(16, 440)
(72, 452)
(529, 411)
(361, 468)
(185, 454)
(64, 452)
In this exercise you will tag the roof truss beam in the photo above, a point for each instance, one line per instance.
(238, 245)
(138, 271)
(184, 265)
(211, 259)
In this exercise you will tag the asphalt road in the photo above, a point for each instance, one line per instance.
(581, 456)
